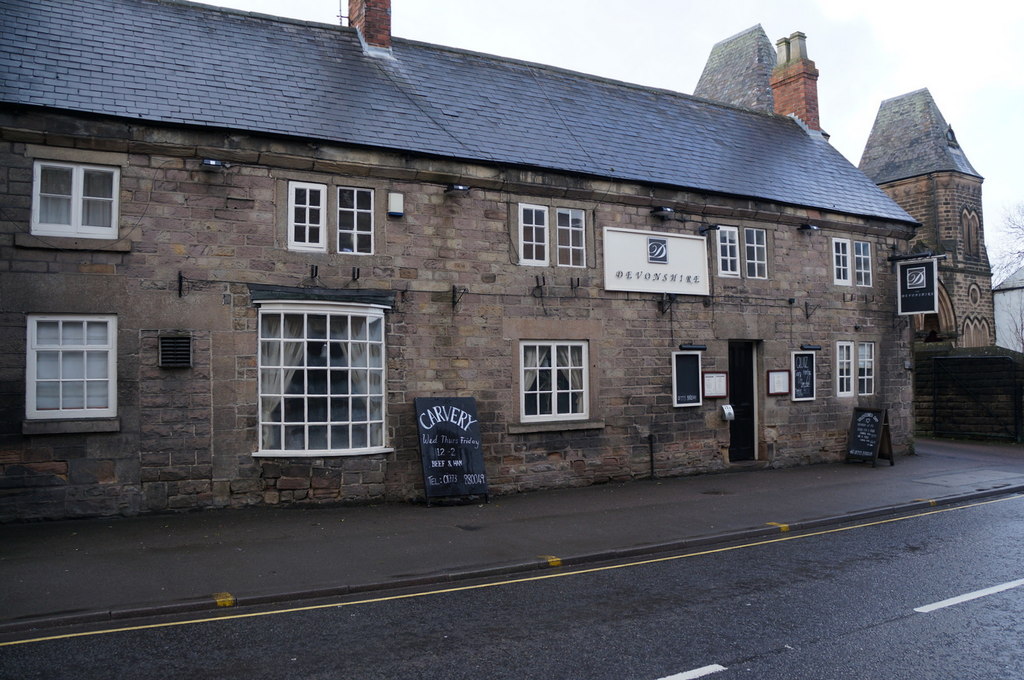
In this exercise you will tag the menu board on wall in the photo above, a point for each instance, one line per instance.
(686, 387)
(449, 434)
(803, 376)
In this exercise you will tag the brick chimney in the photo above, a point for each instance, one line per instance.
(372, 18)
(795, 81)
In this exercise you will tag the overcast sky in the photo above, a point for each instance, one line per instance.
(970, 56)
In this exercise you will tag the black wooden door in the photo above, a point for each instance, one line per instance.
(742, 440)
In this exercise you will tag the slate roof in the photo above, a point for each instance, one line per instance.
(738, 71)
(1014, 281)
(911, 138)
(181, 63)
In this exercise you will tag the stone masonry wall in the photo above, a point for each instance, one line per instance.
(192, 240)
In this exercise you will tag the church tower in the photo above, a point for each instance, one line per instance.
(913, 155)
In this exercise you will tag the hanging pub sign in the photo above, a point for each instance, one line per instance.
(655, 262)
(918, 287)
(449, 433)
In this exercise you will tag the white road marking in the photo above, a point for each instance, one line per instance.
(696, 673)
(969, 596)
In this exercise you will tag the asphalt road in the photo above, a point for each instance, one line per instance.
(863, 601)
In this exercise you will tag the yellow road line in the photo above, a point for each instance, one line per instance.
(525, 579)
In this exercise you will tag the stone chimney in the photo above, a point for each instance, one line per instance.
(795, 81)
(372, 18)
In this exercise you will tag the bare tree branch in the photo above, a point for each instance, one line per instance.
(1012, 257)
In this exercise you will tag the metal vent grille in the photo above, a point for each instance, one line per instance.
(176, 351)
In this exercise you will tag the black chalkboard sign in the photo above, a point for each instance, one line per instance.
(449, 433)
(803, 376)
(868, 439)
(686, 388)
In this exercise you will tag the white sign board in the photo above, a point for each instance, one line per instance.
(655, 262)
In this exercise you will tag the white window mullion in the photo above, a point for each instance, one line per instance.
(71, 367)
(865, 368)
(307, 210)
(533, 234)
(321, 379)
(728, 251)
(554, 381)
(844, 369)
(841, 261)
(101, 195)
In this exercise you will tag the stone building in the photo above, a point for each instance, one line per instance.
(913, 154)
(236, 248)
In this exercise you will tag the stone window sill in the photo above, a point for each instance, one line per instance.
(559, 426)
(22, 240)
(82, 426)
(320, 454)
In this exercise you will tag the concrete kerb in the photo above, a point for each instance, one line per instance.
(210, 603)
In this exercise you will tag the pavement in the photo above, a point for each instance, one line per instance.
(114, 569)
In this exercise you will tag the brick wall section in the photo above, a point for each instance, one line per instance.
(185, 437)
(795, 88)
(372, 18)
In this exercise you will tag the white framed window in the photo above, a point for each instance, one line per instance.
(533, 234)
(728, 251)
(75, 200)
(554, 380)
(862, 263)
(71, 366)
(755, 243)
(307, 211)
(355, 220)
(571, 237)
(844, 369)
(865, 368)
(841, 261)
(321, 379)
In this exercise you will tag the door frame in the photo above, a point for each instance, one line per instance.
(751, 346)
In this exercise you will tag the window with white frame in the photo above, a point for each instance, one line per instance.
(355, 220)
(862, 263)
(307, 210)
(844, 369)
(553, 380)
(753, 249)
(74, 200)
(841, 261)
(321, 379)
(728, 251)
(71, 367)
(865, 368)
(756, 250)
(571, 237)
(533, 234)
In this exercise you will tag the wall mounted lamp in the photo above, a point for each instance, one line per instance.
(810, 348)
(698, 348)
(708, 227)
(809, 227)
(663, 212)
(457, 189)
(214, 164)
